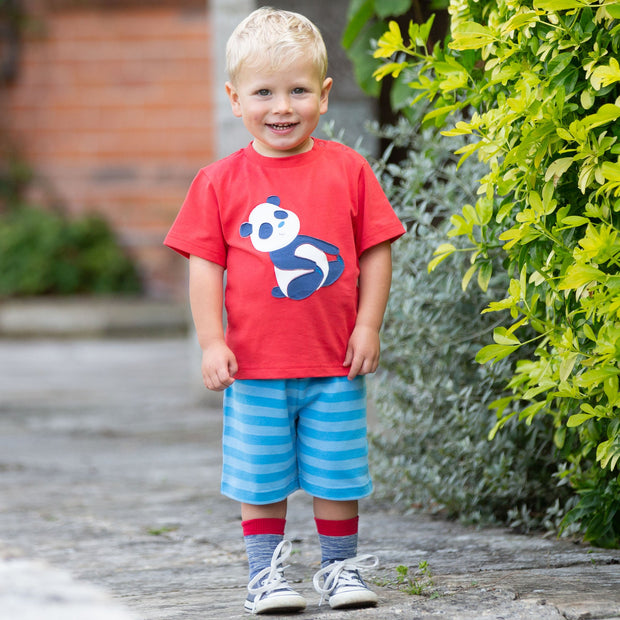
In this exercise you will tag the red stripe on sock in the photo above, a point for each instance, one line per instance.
(255, 527)
(347, 527)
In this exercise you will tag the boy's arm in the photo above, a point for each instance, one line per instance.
(363, 350)
(206, 296)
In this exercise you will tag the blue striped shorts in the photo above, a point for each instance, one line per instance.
(281, 435)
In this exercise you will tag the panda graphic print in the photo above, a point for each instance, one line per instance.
(302, 264)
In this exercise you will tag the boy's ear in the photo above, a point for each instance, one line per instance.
(327, 86)
(233, 95)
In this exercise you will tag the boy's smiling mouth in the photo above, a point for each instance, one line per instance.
(281, 126)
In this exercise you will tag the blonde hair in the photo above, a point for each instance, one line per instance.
(276, 38)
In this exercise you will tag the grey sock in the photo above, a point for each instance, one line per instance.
(336, 548)
(260, 548)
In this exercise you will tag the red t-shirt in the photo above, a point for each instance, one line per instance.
(290, 232)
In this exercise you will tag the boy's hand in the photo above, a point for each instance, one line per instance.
(219, 366)
(363, 350)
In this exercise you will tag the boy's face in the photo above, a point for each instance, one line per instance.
(281, 107)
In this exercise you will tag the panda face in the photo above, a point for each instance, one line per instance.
(270, 227)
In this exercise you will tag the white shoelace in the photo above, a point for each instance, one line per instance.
(342, 573)
(272, 577)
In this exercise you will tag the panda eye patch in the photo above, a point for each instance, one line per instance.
(280, 215)
(265, 231)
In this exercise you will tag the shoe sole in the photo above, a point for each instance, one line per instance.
(280, 604)
(353, 600)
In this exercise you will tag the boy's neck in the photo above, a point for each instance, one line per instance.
(306, 148)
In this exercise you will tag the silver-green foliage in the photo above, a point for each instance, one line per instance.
(432, 448)
(540, 83)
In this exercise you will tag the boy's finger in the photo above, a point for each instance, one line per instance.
(348, 358)
(356, 366)
(224, 378)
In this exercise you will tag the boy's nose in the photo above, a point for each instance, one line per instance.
(282, 104)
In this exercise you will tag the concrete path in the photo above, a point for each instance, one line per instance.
(110, 509)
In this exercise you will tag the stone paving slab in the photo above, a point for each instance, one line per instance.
(94, 316)
(109, 498)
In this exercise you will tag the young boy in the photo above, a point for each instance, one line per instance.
(303, 230)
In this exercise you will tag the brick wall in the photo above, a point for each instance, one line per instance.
(113, 109)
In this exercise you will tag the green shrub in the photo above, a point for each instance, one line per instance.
(540, 82)
(431, 447)
(44, 253)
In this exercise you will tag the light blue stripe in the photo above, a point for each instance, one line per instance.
(257, 429)
(310, 462)
(268, 440)
(328, 426)
(317, 490)
(258, 498)
(260, 450)
(324, 411)
(344, 476)
(263, 388)
(260, 420)
(328, 435)
(336, 483)
(259, 480)
(264, 406)
(337, 454)
(267, 459)
(260, 476)
(256, 401)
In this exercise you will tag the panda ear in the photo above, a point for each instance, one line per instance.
(246, 229)
(274, 200)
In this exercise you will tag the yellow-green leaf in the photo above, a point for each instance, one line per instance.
(441, 253)
(468, 276)
(484, 275)
(571, 221)
(577, 275)
(558, 5)
(611, 171)
(390, 68)
(577, 419)
(605, 114)
(557, 168)
(470, 36)
(604, 75)
(567, 365)
(495, 352)
(502, 336)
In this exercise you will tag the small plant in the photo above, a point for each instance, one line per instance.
(417, 584)
(161, 531)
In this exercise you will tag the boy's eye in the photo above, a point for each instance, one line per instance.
(263, 92)
(299, 90)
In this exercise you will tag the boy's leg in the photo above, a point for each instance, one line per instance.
(336, 524)
(263, 532)
(259, 469)
(339, 579)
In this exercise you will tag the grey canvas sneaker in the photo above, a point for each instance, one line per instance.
(269, 592)
(342, 584)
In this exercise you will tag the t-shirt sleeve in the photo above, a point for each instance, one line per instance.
(376, 220)
(197, 228)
